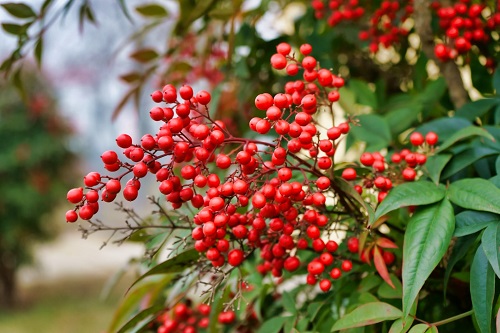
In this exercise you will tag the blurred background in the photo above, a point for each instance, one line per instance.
(51, 279)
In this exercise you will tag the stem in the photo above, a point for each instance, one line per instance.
(451, 319)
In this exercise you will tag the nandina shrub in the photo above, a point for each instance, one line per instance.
(278, 213)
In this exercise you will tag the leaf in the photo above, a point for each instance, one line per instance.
(13, 29)
(175, 264)
(144, 55)
(435, 165)
(152, 9)
(272, 325)
(426, 240)
(497, 165)
(496, 80)
(351, 192)
(131, 77)
(386, 291)
(465, 133)
(420, 328)
(367, 314)
(402, 326)
(466, 158)
(476, 194)
(491, 246)
(482, 290)
(386, 243)
(38, 51)
(460, 249)
(148, 313)
(19, 10)
(409, 194)
(432, 329)
(289, 303)
(135, 298)
(374, 130)
(471, 221)
(364, 95)
(381, 267)
(403, 117)
(476, 109)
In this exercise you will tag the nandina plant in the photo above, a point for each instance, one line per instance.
(342, 182)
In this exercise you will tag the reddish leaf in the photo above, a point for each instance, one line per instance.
(381, 267)
(386, 243)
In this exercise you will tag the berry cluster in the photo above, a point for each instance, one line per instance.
(274, 193)
(185, 318)
(385, 23)
(403, 166)
(337, 10)
(465, 24)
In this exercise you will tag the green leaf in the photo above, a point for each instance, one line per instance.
(386, 291)
(496, 80)
(497, 165)
(364, 95)
(402, 326)
(147, 290)
(420, 328)
(374, 130)
(459, 250)
(465, 133)
(432, 329)
(131, 77)
(289, 303)
(145, 315)
(409, 194)
(175, 264)
(482, 290)
(471, 221)
(426, 240)
(491, 246)
(349, 189)
(435, 165)
(402, 118)
(13, 29)
(144, 55)
(152, 9)
(367, 314)
(476, 194)
(272, 325)
(19, 10)
(39, 51)
(476, 109)
(466, 158)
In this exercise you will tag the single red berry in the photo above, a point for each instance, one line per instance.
(235, 257)
(71, 216)
(416, 138)
(346, 265)
(75, 195)
(203, 97)
(349, 174)
(278, 61)
(291, 264)
(431, 138)
(353, 244)
(335, 273)
(409, 174)
(325, 285)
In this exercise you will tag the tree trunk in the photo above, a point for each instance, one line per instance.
(8, 286)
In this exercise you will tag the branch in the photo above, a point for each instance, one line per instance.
(449, 69)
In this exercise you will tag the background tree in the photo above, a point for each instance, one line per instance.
(35, 168)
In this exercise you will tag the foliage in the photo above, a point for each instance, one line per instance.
(413, 225)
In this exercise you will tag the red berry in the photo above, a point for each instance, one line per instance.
(431, 138)
(335, 273)
(353, 244)
(349, 174)
(235, 257)
(203, 97)
(291, 264)
(278, 61)
(283, 48)
(325, 285)
(71, 216)
(416, 138)
(346, 265)
(75, 195)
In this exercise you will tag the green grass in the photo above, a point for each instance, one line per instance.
(61, 307)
